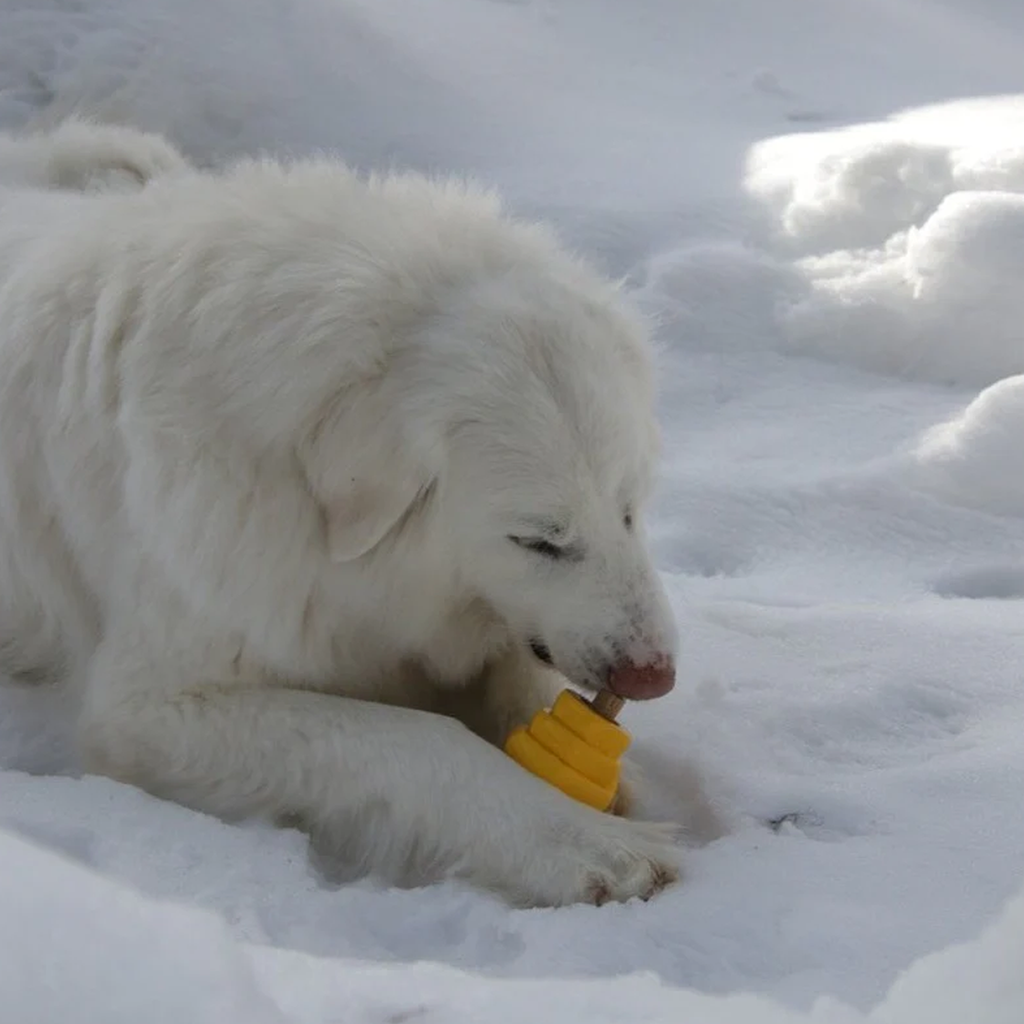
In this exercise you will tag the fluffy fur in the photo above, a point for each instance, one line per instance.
(285, 457)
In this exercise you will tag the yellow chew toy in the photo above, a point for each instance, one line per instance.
(575, 746)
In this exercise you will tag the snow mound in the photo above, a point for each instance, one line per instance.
(78, 946)
(893, 246)
(858, 186)
(909, 238)
(847, 189)
(939, 302)
(976, 459)
(973, 981)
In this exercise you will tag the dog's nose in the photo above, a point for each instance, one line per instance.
(643, 682)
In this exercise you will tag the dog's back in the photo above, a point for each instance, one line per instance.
(41, 175)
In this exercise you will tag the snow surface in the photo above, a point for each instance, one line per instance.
(823, 207)
(187, 966)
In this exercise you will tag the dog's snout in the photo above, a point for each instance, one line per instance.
(642, 682)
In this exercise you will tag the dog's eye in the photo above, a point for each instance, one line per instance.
(540, 546)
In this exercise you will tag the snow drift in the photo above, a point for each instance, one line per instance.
(73, 940)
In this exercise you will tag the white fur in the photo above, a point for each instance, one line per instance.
(86, 157)
(263, 437)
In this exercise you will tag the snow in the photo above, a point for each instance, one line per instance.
(822, 206)
(906, 233)
(966, 459)
(187, 965)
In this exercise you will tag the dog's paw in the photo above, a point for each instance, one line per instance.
(644, 864)
(609, 859)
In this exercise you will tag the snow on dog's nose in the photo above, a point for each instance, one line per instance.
(643, 682)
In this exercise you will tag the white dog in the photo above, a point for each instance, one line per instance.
(302, 474)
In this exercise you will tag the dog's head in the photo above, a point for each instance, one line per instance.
(514, 431)
(550, 463)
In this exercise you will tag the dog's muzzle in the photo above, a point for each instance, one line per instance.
(642, 682)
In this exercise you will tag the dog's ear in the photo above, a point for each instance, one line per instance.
(364, 472)
(366, 510)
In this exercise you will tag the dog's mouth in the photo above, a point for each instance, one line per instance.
(590, 680)
(542, 652)
(645, 681)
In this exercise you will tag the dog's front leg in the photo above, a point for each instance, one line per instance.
(407, 795)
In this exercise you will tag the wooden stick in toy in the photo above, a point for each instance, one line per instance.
(608, 704)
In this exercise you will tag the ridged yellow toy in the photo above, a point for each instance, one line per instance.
(575, 746)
